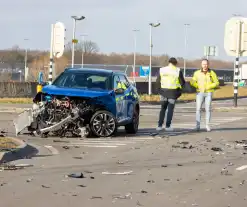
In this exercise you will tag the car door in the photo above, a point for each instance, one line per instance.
(119, 100)
(128, 102)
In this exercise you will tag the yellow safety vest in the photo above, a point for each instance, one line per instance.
(205, 83)
(169, 77)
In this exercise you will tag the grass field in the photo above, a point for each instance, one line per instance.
(223, 92)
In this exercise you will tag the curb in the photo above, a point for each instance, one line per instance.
(22, 151)
(187, 101)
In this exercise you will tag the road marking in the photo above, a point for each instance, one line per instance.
(53, 150)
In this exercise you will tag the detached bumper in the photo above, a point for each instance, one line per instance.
(23, 120)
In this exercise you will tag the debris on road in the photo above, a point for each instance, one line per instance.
(45, 186)
(207, 139)
(2, 184)
(82, 186)
(118, 196)
(14, 167)
(117, 173)
(216, 149)
(87, 171)
(78, 158)
(61, 141)
(242, 168)
(76, 175)
(224, 171)
(96, 197)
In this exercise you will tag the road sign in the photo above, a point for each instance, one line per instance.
(235, 40)
(210, 51)
(144, 71)
(58, 39)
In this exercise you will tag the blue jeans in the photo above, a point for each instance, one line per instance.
(200, 99)
(166, 103)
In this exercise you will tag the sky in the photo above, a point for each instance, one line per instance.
(109, 23)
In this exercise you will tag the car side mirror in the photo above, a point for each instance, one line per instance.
(119, 91)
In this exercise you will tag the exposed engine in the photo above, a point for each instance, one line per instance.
(60, 116)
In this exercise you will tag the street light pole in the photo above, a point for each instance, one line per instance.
(134, 67)
(25, 67)
(75, 18)
(83, 48)
(150, 58)
(185, 47)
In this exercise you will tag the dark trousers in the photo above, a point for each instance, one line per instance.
(166, 104)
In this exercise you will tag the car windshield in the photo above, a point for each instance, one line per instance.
(83, 80)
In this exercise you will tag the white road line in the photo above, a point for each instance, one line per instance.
(53, 150)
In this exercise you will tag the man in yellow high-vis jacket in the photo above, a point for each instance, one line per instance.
(205, 81)
(170, 82)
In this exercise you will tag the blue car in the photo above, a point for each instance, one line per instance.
(96, 100)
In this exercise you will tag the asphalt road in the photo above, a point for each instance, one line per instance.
(162, 171)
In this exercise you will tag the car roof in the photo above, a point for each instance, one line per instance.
(93, 70)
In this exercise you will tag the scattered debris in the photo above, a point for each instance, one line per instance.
(29, 180)
(216, 149)
(62, 141)
(122, 162)
(82, 186)
(118, 196)
(243, 181)
(117, 173)
(2, 184)
(96, 197)
(224, 171)
(207, 139)
(76, 175)
(45, 186)
(11, 167)
(78, 158)
(138, 203)
(87, 171)
(167, 179)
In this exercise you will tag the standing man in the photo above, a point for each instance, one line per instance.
(205, 81)
(169, 82)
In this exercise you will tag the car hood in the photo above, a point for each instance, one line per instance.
(54, 90)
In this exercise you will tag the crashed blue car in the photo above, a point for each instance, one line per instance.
(84, 102)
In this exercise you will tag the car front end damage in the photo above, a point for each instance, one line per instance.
(65, 113)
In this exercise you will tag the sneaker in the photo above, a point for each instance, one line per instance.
(169, 129)
(197, 128)
(159, 128)
(208, 129)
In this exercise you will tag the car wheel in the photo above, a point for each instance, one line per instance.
(103, 124)
(132, 128)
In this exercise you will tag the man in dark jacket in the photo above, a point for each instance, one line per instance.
(170, 82)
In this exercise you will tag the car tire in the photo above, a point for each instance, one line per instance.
(132, 128)
(103, 124)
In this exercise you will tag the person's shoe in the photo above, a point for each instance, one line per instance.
(208, 129)
(159, 129)
(169, 129)
(197, 128)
